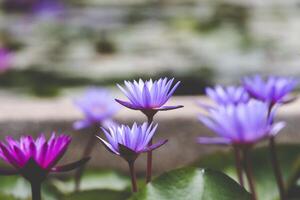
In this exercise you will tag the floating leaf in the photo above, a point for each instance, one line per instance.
(192, 184)
(263, 174)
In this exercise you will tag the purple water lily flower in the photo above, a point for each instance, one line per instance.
(244, 123)
(149, 96)
(5, 60)
(130, 142)
(272, 90)
(98, 107)
(227, 95)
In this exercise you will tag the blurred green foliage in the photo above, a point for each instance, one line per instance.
(48, 84)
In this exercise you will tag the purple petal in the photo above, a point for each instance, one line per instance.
(154, 146)
(164, 108)
(108, 146)
(70, 166)
(127, 104)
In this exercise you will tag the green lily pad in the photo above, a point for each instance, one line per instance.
(192, 184)
(262, 169)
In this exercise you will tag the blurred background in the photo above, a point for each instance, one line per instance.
(52, 50)
(52, 46)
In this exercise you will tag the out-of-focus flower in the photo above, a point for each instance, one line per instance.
(149, 96)
(130, 142)
(272, 90)
(5, 60)
(49, 8)
(98, 107)
(240, 124)
(227, 95)
(34, 159)
(36, 7)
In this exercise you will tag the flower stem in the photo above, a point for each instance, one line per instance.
(238, 164)
(86, 153)
(149, 155)
(36, 190)
(249, 174)
(133, 176)
(276, 168)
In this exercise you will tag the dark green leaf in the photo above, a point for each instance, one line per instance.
(262, 168)
(192, 184)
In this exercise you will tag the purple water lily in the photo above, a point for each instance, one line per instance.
(227, 95)
(130, 142)
(149, 96)
(98, 107)
(123, 140)
(272, 90)
(34, 159)
(5, 60)
(240, 124)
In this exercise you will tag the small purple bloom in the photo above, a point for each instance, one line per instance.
(36, 158)
(272, 90)
(98, 107)
(149, 95)
(130, 142)
(5, 60)
(243, 123)
(227, 95)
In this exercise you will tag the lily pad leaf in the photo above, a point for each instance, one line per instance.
(288, 156)
(192, 184)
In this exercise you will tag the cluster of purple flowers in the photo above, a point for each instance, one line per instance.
(244, 115)
(240, 116)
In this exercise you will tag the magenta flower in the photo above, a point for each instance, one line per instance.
(34, 159)
(130, 142)
(149, 96)
(98, 107)
(244, 123)
(5, 60)
(227, 95)
(272, 90)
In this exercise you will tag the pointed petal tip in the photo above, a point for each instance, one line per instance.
(71, 166)
(165, 108)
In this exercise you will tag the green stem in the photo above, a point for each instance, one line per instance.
(149, 155)
(276, 168)
(133, 176)
(238, 164)
(36, 190)
(249, 174)
(86, 153)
